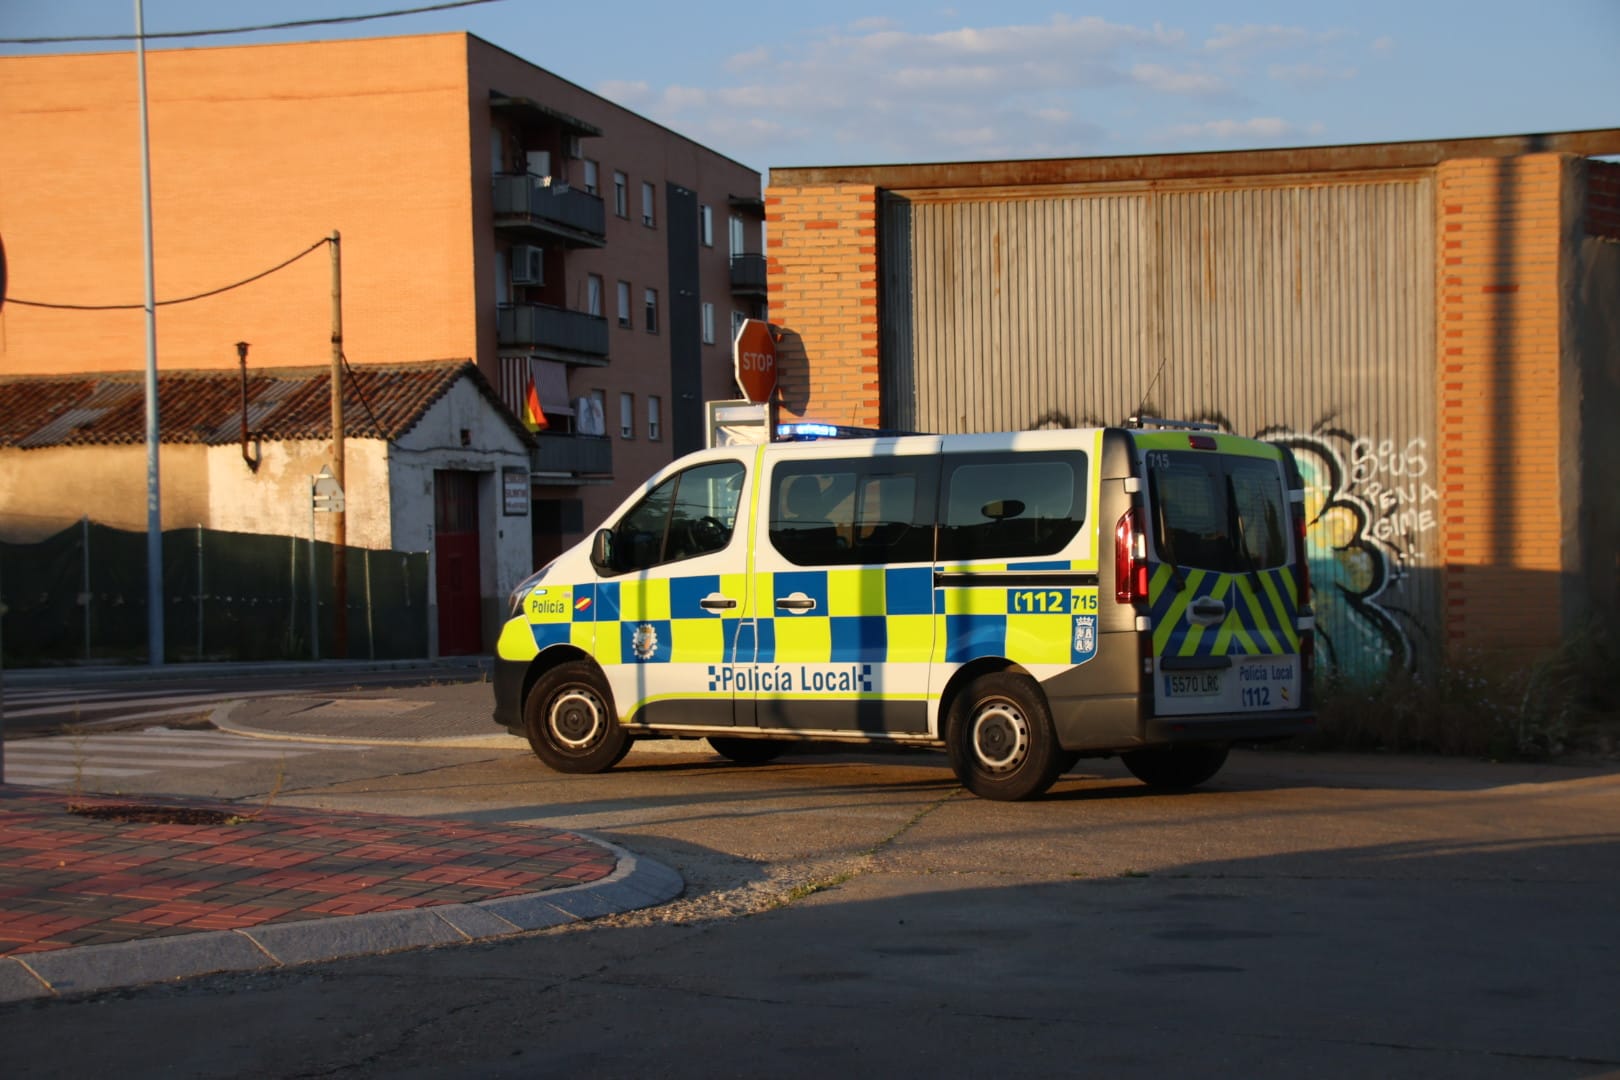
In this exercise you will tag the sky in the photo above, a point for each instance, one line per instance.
(893, 81)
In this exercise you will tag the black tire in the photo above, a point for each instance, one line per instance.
(746, 751)
(570, 720)
(1177, 767)
(999, 738)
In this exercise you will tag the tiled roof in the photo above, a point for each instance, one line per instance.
(380, 401)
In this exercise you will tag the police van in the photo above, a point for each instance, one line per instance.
(1021, 599)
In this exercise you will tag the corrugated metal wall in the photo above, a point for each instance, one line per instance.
(1302, 311)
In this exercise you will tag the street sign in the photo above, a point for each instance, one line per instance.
(754, 354)
(326, 494)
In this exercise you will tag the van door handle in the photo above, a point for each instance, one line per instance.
(796, 602)
(716, 602)
(1206, 611)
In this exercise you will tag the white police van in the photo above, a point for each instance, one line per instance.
(1021, 599)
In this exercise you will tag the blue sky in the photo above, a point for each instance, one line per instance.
(840, 83)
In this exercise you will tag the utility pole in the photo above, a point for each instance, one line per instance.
(340, 530)
(154, 515)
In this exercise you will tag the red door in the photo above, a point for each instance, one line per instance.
(455, 562)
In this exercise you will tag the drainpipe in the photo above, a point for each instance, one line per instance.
(241, 357)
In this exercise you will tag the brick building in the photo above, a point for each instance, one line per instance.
(488, 211)
(1433, 327)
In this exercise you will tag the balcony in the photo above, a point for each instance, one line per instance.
(574, 456)
(748, 275)
(537, 209)
(560, 334)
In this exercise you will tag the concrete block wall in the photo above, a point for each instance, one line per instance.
(821, 270)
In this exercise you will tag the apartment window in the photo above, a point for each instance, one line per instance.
(590, 176)
(647, 205)
(593, 294)
(654, 408)
(624, 304)
(574, 148)
(627, 416)
(708, 324)
(538, 162)
(621, 194)
(738, 246)
(706, 225)
(651, 319)
(737, 319)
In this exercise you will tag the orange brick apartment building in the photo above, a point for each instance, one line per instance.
(488, 210)
(1433, 327)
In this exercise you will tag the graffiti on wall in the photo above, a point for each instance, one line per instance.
(1372, 524)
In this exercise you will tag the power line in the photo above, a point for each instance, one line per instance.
(332, 21)
(177, 300)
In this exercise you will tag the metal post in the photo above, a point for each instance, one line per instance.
(314, 618)
(340, 531)
(371, 638)
(154, 516)
(199, 593)
(84, 593)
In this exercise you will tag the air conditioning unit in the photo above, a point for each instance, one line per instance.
(528, 265)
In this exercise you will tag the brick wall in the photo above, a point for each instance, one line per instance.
(1603, 199)
(1499, 324)
(821, 265)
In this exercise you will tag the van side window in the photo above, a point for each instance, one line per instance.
(862, 511)
(692, 513)
(1011, 505)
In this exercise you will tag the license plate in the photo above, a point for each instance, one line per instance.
(1196, 684)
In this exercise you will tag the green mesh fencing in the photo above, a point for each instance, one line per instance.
(81, 596)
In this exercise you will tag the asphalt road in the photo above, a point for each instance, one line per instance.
(857, 913)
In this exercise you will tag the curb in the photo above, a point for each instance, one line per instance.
(636, 882)
(223, 718)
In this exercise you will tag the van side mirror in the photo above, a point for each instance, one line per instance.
(602, 549)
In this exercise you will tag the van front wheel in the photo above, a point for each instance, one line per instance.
(1177, 767)
(570, 721)
(999, 738)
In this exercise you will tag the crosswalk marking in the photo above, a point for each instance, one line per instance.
(48, 702)
(66, 757)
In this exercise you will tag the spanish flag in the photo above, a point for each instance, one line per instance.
(534, 417)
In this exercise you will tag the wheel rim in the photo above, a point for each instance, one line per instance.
(1000, 736)
(576, 719)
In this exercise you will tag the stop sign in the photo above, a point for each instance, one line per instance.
(755, 355)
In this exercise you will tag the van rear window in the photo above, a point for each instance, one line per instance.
(1217, 511)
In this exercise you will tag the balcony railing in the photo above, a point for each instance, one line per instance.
(543, 327)
(576, 455)
(536, 205)
(748, 274)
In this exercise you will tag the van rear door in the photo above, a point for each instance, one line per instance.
(1223, 591)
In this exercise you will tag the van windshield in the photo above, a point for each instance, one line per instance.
(1218, 512)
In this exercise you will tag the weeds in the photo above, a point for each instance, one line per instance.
(1485, 704)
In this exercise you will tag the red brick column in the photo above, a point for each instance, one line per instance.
(1500, 327)
(821, 269)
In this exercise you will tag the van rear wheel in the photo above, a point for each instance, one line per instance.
(999, 738)
(570, 721)
(746, 751)
(1175, 767)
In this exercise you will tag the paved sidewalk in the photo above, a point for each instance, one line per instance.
(99, 893)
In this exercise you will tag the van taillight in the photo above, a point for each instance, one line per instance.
(1130, 558)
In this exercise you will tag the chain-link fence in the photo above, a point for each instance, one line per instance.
(81, 595)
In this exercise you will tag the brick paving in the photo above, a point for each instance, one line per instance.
(70, 879)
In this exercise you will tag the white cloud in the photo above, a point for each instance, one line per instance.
(882, 92)
(1168, 81)
(1304, 73)
(1258, 128)
(1384, 46)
